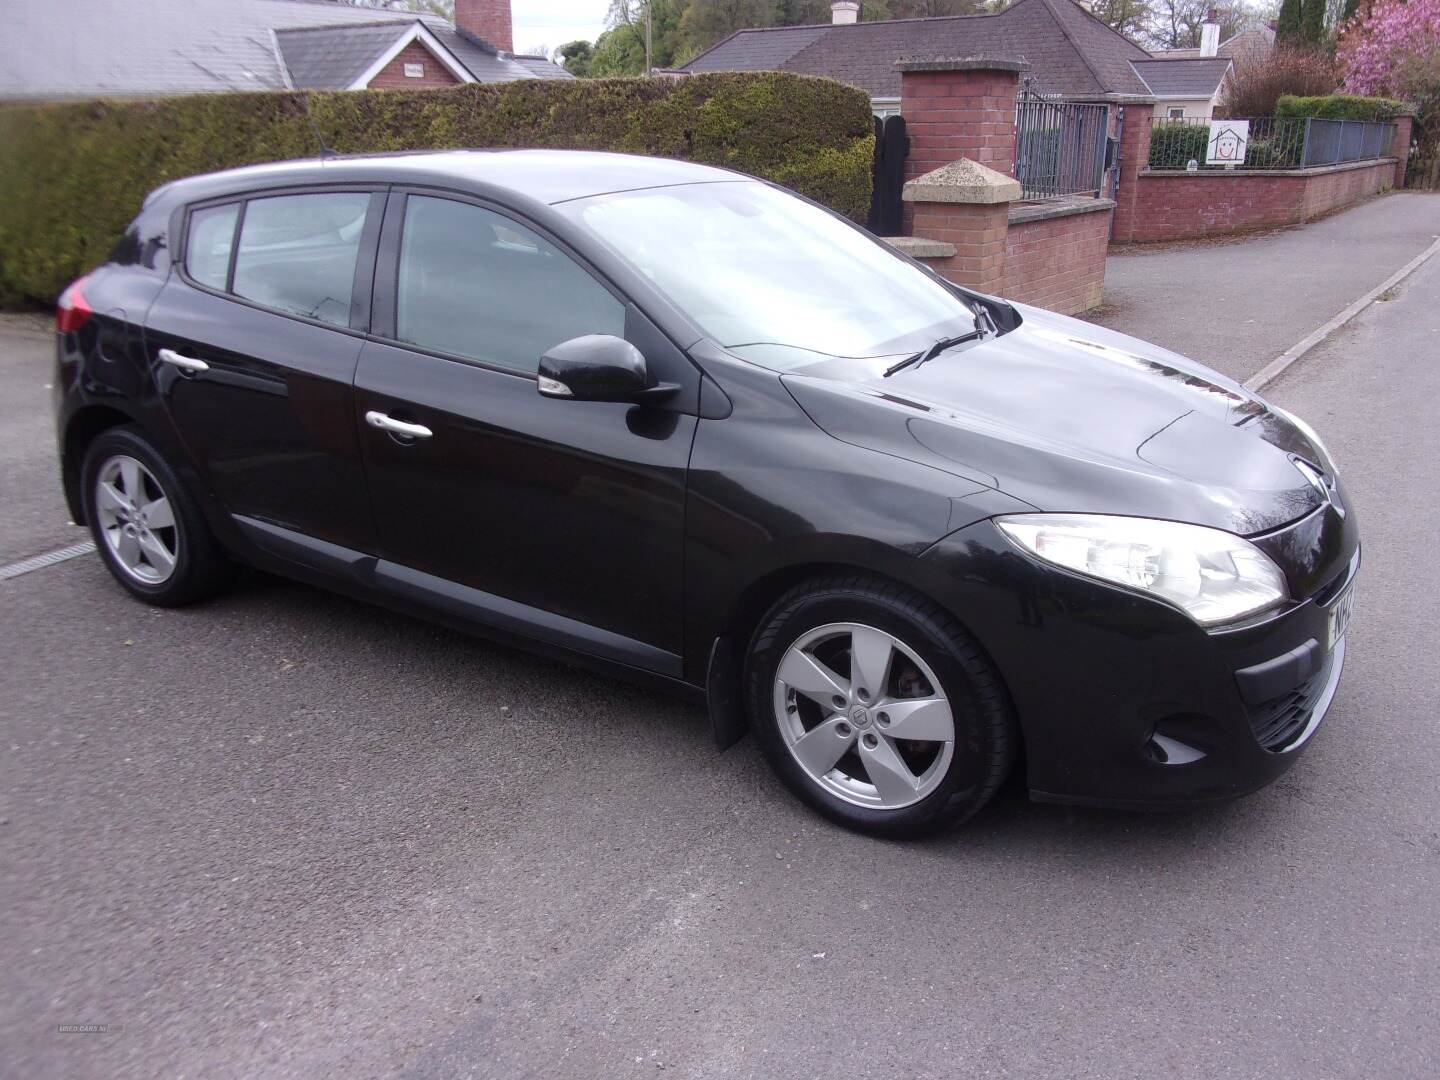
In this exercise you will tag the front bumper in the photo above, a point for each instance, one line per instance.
(1126, 702)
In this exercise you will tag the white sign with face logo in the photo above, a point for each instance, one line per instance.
(1227, 142)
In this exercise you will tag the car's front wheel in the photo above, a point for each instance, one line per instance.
(149, 530)
(877, 708)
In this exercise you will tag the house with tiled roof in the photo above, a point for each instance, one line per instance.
(1189, 83)
(152, 48)
(1253, 42)
(1068, 51)
(1185, 88)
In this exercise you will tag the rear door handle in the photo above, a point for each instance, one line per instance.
(397, 427)
(184, 363)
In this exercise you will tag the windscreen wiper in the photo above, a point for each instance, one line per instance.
(926, 355)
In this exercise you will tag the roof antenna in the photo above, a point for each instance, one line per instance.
(325, 151)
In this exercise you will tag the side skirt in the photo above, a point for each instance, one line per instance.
(472, 609)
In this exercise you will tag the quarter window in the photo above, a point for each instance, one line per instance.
(207, 245)
(297, 253)
(473, 283)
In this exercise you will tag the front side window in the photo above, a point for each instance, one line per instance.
(763, 271)
(207, 244)
(476, 284)
(297, 253)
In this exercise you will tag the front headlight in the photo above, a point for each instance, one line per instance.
(1211, 575)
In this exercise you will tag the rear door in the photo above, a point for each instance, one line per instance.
(254, 343)
(570, 508)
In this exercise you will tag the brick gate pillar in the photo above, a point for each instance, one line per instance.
(1401, 150)
(1134, 159)
(962, 212)
(959, 108)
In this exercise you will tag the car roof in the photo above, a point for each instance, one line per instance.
(548, 176)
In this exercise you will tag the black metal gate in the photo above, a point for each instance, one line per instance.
(1059, 146)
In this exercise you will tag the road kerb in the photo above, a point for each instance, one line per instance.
(1271, 371)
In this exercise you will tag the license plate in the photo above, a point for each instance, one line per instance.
(1340, 616)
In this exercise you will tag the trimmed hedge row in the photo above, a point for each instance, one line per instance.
(72, 176)
(1338, 107)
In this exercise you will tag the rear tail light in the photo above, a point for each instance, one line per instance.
(72, 310)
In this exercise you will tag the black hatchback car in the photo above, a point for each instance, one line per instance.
(682, 425)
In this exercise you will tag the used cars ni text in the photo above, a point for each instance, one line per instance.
(682, 425)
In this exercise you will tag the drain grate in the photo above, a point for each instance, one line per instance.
(50, 558)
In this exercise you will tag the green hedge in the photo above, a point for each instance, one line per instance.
(72, 176)
(1338, 107)
(1174, 144)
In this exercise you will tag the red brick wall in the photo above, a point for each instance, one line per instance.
(1179, 206)
(955, 114)
(392, 76)
(488, 19)
(1058, 263)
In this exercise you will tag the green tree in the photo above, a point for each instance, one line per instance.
(1128, 17)
(576, 57)
(621, 49)
(705, 22)
(1287, 26)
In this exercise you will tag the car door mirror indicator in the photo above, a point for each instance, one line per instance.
(598, 367)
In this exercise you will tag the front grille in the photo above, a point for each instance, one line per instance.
(1278, 722)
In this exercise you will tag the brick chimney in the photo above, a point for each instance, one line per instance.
(487, 19)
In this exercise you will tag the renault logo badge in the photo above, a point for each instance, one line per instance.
(1320, 482)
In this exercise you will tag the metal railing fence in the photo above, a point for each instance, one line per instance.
(1273, 142)
(1059, 146)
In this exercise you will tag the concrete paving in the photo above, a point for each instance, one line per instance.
(1237, 304)
(288, 835)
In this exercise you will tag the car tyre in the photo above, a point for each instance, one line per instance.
(809, 699)
(146, 525)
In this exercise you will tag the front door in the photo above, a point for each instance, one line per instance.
(254, 347)
(575, 509)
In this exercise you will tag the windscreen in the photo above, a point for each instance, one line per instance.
(771, 275)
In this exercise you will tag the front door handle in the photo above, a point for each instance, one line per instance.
(397, 427)
(184, 363)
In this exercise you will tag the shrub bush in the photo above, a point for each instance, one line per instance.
(1175, 145)
(1258, 82)
(1339, 107)
(72, 176)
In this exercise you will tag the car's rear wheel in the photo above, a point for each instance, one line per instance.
(149, 531)
(877, 708)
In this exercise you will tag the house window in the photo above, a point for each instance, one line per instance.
(414, 71)
(1177, 113)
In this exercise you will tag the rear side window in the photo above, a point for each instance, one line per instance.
(208, 242)
(474, 283)
(297, 253)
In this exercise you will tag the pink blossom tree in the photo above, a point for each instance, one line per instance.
(1393, 49)
(1379, 50)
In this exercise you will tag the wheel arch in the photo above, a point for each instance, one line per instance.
(82, 429)
(726, 661)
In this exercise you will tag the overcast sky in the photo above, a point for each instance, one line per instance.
(554, 22)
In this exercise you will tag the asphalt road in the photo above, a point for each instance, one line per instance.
(1237, 304)
(285, 834)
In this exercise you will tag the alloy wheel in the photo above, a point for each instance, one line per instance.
(136, 520)
(864, 716)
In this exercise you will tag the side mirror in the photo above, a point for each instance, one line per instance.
(598, 367)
